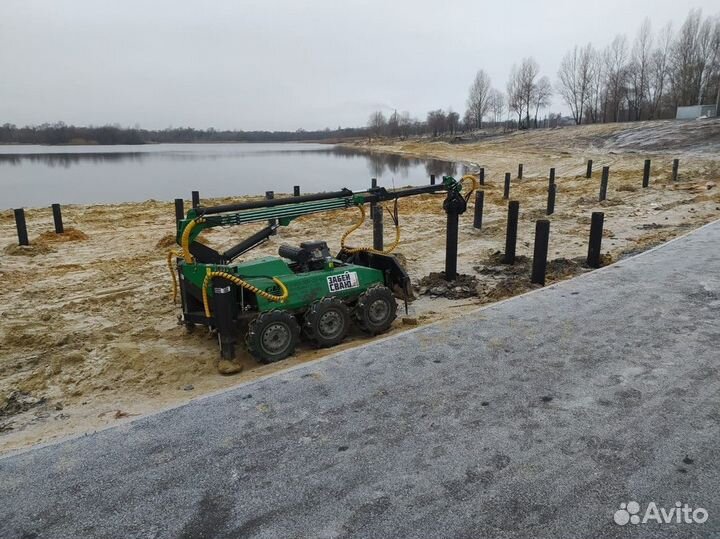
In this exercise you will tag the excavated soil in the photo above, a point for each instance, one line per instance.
(89, 335)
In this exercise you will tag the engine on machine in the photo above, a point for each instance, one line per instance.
(310, 256)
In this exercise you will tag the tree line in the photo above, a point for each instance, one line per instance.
(647, 79)
(643, 80)
(60, 133)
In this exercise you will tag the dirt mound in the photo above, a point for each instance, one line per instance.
(435, 284)
(28, 250)
(167, 241)
(70, 234)
(495, 258)
(584, 201)
(560, 268)
(507, 288)
(493, 266)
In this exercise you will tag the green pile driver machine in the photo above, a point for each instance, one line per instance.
(305, 291)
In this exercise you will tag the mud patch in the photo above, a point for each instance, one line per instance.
(562, 268)
(493, 265)
(19, 402)
(496, 257)
(464, 286)
(507, 288)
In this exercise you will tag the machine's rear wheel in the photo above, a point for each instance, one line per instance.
(327, 322)
(272, 336)
(376, 309)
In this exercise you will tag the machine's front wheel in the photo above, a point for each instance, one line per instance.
(272, 336)
(327, 322)
(376, 309)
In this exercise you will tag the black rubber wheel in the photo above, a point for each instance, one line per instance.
(327, 322)
(376, 309)
(272, 336)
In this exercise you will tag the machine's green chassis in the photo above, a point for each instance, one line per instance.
(303, 288)
(349, 277)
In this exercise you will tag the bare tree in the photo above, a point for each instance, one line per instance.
(377, 123)
(576, 76)
(477, 101)
(716, 64)
(529, 70)
(542, 92)
(405, 124)
(453, 121)
(515, 101)
(684, 59)
(616, 72)
(639, 70)
(437, 122)
(598, 87)
(496, 104)
(468, 120)
(659, 71)
(393, 124)
(708, 53)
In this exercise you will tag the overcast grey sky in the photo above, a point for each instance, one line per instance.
(283, 64)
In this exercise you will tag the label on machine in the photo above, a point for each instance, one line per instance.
(344, 281)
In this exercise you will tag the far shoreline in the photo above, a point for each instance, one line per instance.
(200, 142)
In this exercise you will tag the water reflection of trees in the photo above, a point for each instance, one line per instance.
(66, 160)
(441, 168)
(379, 164)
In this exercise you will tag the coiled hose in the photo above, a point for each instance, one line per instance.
(187, 256)
(474, 184)
(247, 286)
(353, 250)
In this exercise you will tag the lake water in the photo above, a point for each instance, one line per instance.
(32, 176)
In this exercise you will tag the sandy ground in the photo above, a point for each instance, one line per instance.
(89, 336)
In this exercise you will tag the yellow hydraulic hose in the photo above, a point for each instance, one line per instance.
(238, 281)
(185, 240)
(474, 184)
(353, 250)
(394, 245)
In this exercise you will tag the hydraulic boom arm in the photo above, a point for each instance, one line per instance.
(283, 210)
